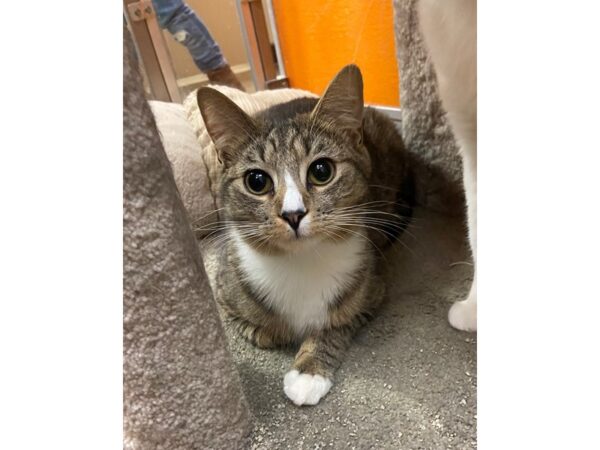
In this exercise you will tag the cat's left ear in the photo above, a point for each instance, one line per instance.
(228, 126)
(341, 106)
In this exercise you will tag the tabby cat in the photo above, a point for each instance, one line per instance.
(312, 191)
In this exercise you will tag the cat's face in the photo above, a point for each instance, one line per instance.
(286, 183)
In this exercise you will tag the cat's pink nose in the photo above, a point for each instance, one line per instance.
(293, 218)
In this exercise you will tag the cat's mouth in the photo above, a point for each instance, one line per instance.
(293, 238)
(297, 227)
(297, 236)
(300, 243)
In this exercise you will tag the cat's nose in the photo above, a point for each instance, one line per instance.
(293, 217)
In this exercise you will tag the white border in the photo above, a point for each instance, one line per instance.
(539, 225)
(61, 226)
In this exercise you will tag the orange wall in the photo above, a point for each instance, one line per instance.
(319, 37)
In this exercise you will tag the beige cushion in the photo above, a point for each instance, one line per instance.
(185, 155)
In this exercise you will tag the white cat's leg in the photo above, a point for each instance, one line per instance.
(450, 31)
(304, 388)
(463, 314)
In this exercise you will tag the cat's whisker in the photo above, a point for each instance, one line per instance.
(366, 216)
(230, 222)
(218, 243)
(335, 235)
(361, 236)
(374, 202)
(218, 239)
(386, 222)
(373, 213)
(360, 220)
(262, 241)
(227, 233)
(459, 263)
(225, 228)
(371, 219)
(371, 203)
(385, 233)
(405, 221)
(365, 211)
(214, 229)
(212, 235)
(315, 250)
(206, 215)
(398, 226)
(388, 219)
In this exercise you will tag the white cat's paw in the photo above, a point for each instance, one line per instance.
(305, 389)
(463, 315)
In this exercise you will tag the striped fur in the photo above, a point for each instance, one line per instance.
(316, 286)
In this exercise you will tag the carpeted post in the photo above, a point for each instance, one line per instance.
(181, 390)
(425, 129)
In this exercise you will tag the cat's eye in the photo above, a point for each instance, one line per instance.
(321, 172)
(258, 182)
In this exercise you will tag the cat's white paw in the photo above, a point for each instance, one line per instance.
(463, 315)
(305, 389)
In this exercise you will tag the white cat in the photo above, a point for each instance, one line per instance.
(450, 31)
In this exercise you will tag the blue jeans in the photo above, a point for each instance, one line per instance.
(187, 28)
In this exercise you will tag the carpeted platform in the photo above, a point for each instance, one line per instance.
(408, 381)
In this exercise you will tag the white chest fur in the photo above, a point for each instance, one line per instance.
(300, 286)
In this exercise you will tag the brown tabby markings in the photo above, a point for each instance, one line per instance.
(370, 170)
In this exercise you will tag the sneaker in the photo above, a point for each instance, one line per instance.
(225, 76)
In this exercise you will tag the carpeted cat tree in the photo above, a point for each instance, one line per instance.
(425, 129)
(181, 389)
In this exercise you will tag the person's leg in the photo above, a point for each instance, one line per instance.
(165, 9)
(187, 29)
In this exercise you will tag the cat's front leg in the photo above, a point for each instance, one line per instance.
(463, 314)
(312, 372)
(266, 337)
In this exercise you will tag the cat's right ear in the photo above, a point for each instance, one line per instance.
(227, 125)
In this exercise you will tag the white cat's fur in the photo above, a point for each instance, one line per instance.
(292, 201)
(305, 389)
(301, 285)
(450, 31)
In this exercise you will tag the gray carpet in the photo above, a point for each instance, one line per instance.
(408, 381)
